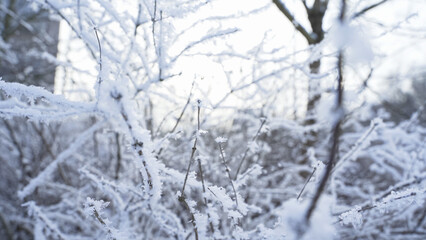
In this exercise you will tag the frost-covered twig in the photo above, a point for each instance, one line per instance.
(95, 207)
(391, 197)
(32, 93)
(99, 82)
(360, 144)
(37, 213)
(194, 148)
(182, 197)
(228, 172)
(306, 183)
(78, 33)
(50, 169)
(58, 107)
(262, 122)
(206, 38)
(393, 189)
(184, 108)
(296, 24)
(366, 9)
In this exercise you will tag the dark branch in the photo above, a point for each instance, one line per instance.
(366, 9)
(293, 21)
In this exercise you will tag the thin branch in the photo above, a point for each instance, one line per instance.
(305, 5)
(293, 21)
(263, 120)
(206, 38)
(204, 192)
(184, 108)
(194, 148)
(153, 20)
(228, 172)
(200, 168)
(118, 165)
(45, 175)
(71, 26)
(182, 197)
(357, 145)
(366, 9)
(375, 205)
(306, 183)
(415, 180)
(100, 63)
(182, 200)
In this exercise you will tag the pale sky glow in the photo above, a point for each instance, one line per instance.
(269, 29)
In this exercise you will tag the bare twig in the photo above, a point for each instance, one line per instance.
(183, 201)
(306, 183)
(71, 26)
(194, 148)
(228, 173)
(200, 168)
(366, 9)
(293, 21)
(118, 165)
(357, 145)
(154, 20)
(50, 152)
(369, 206)
(204, 191)
(182, 197)
(184, 108)
(263, 120)
(100, 65)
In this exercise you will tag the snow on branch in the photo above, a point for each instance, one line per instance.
(205, 38)
(362, 143)
(394, 199)
(32, 93)
(24, 105)
(51, 168)
(36, 212)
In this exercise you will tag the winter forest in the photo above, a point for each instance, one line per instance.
(213, 119)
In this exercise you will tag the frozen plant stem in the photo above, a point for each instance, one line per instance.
(306, 183)
(200, 168)
(204, 192)
(194, 148)
(247, 149)
(100, 64)
(182, 197)
(118, 164)
(228, 172)
(184, 108)
(101, 221)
